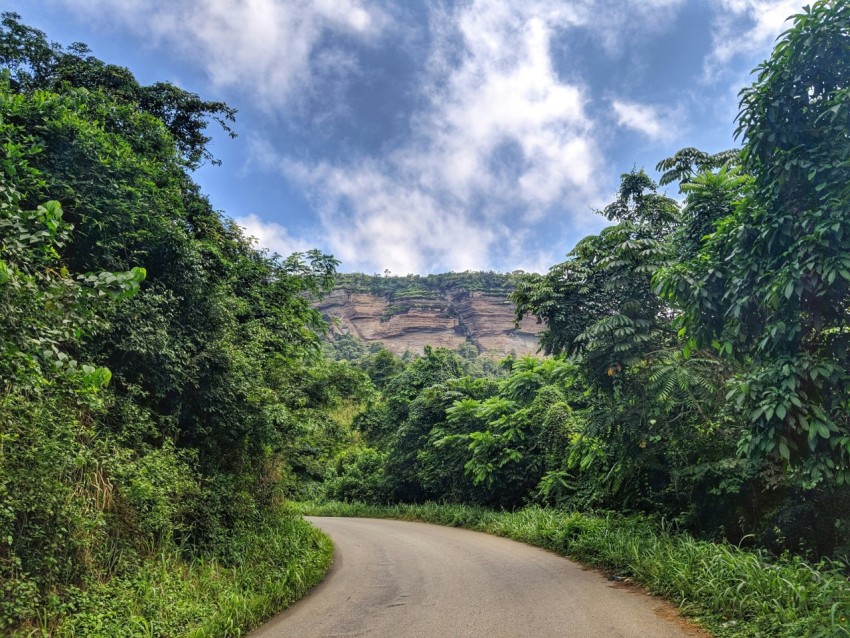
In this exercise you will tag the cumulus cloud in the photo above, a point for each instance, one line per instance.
(506, 96)
(747, 27)
(501, 142)
(657, 124)
(372, 221)
(272, 236)
(266, 48)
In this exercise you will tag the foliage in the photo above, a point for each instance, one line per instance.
(599, 304)
(53, 489)
(689, 162)
(161, 387)
(769, 287)
(358, 475)
(518, 436)
(36, 64)
(433, 286)
(46, 309)
(269, 566)
(649, 409)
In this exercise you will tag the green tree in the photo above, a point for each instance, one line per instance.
(37, 64)
(382, 367)
(599, 305)
(217, 404)
(651, 411)
(517, 437)
(770, 287)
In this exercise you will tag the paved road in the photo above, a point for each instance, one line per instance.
(395, 579)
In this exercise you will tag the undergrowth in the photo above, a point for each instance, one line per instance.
(262, 571)
(736, 593)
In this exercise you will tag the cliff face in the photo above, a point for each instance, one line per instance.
(447, 319)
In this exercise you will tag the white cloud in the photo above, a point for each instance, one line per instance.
(372, 221)
(762, 21)
(506, 91)
(657, 124)
(273, 236)
(263, 47)
(501, 143)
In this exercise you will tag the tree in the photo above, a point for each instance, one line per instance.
(36, 64)
(599, 305)
(211, 361)
(770, 287)
(48, 401)
(689, 162)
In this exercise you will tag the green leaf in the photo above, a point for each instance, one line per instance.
(789, 289)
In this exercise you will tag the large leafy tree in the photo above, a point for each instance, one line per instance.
(651, 414)
(36, 64)
(48, 401)
(599, 305)
(215, 314)
(770, 287)
(412, 410)
(517, 435)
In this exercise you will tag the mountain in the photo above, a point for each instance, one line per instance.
(446, 310)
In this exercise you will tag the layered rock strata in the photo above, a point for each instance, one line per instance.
(447, 320)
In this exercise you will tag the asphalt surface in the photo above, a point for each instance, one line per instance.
(396, 579)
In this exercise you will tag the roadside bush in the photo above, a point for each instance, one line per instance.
(267, 567)
(359, 475)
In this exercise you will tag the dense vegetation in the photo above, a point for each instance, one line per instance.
(161, 384)
(394, 287)
(164, 388)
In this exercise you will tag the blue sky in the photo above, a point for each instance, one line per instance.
(424, 137)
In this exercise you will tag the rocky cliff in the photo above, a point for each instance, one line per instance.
(409, 318)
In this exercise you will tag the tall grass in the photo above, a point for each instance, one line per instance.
(734, 592)
(265, 569)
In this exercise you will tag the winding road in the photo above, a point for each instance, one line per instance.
(396, 579)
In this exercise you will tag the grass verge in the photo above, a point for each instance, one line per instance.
(266, 569)
(736, 593)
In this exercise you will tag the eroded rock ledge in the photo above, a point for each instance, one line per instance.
(442, 318)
